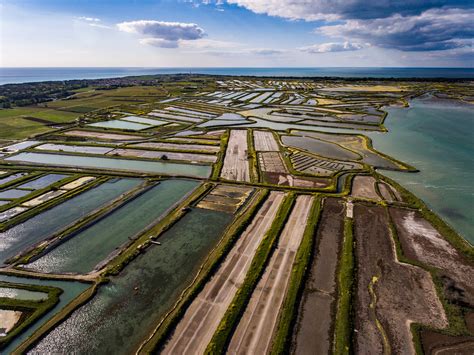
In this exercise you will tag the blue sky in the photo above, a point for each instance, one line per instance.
(154, 33)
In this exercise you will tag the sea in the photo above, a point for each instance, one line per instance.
(24, 75)
(436, 137)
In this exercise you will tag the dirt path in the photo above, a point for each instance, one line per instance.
(236, 166)
(194, 332)
(254, 332)
(313, 334)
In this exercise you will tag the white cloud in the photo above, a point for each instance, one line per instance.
(205, 43)
(265, 51)
(332, 47)
(159, 42)
(170, 31)
(100, 25)
(89, 19)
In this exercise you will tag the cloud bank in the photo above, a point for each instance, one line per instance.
(406, 25)
(436, 29)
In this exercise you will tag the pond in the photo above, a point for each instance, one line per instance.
(114, 164)
(84, 251)
(43, 225)
(125, 310)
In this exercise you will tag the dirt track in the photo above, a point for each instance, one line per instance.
(313, 335)
(193, 333)
(390, 295)
(257, 325)
(236, 165)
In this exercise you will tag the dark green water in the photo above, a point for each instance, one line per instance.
(437, 138)
(124, 311)
(43, 225)
(85, 250)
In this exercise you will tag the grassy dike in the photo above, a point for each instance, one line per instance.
(289, 310)
(32, 309)
(252, 157)
(345, 283)
(229, 322)
(33, 211)
(77, 226)
(207, 270)
(58, 318)
(140, 244)
(217, 167)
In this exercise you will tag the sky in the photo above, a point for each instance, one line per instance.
(236, 33)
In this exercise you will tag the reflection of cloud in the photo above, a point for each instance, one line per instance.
(435, 29)
(161, 33)
(332, 47)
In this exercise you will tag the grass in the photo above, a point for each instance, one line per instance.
(345, 283)
(229, 322)
(14, 126)
(289, 310)
(217, 167)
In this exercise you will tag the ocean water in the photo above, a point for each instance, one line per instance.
(436, 137)
(23, 75)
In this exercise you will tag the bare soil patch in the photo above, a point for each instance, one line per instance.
(255, 330)
(420, 241)
(195, 330)
(390, 295)
(313, 335)
(236, 165)
(364, 187)
(441, 344)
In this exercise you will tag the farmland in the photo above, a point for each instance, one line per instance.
(199, 214)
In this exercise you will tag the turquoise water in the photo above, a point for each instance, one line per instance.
(43, 225)
(70, 291)
(43, 181)
(114, 164)
(22, 294)
(85, 250)
(117, 124)
(125, 310)
(437, 138)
